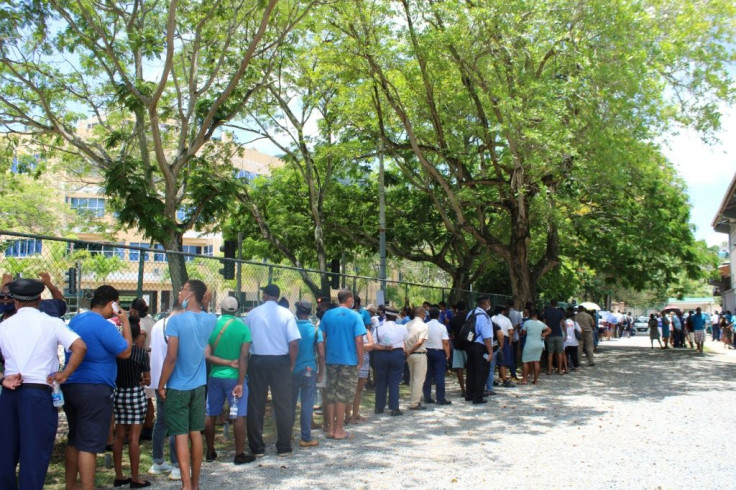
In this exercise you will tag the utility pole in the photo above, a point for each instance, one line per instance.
(381, 224)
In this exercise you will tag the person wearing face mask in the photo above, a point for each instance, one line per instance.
(29, 341)
(184, 377)
(88, 391)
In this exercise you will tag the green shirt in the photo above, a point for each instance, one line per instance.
(229, 345)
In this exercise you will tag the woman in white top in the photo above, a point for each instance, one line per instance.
(571, 342)
(388, 360)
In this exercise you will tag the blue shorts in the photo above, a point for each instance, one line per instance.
(221, 389)
(88, 409)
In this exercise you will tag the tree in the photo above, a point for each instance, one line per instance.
(497, 111)
(138, 91)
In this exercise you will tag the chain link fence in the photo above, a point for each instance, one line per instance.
(78, 267)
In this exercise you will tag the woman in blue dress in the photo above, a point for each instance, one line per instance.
(535, 331)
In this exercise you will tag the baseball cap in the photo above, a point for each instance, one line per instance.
(229, 305)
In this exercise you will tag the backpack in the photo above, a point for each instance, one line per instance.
(467, 334)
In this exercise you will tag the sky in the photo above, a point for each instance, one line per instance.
(708, 171)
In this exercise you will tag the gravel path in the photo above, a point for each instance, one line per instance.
(640, 418)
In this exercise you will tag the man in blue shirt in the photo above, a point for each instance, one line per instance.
(88, 391)
(184, 376)
(698, 323)
(306, 372)
(480, 352)
(343, 330)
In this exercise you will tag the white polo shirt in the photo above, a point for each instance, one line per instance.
(391, 333)
(272, 327)
(437, 333)
(29, 341)
(158, 351)
(503, 322)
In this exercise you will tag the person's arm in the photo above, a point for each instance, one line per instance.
(293, 352)
(78, 350)
(126, 334)
(369, 346)
(414, 347)
(172, 351)
(46, 280)
(359, 349)
(546, 332)
(320, 361)
(219, 361)
(140, 341)
(489, 347)
(446, 348)
(146, 378)
(499, 337)
(242, 368)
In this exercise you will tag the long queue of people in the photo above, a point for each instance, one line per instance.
(194, 363)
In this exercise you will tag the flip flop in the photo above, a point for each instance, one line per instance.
(350, 435)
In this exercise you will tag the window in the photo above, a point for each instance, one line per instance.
(159, 257)
(94, 206)
(191, 249)
(244, 174)
(24, 163)
(24, 248)
(208, 250)
(134, 255)
(106, 250)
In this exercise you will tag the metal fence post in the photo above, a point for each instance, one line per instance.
(141, 265)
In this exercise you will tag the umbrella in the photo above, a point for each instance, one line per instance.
(588, 305)
(669, 308)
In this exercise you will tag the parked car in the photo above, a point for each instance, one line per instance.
(641, 324)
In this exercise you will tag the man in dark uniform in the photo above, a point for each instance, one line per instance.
(29, 340)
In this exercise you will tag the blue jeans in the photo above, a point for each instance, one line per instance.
(716, 332)
(436, 366)
(159, 434)
(306, 386)
(489, 382)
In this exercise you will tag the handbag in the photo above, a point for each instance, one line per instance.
(577, 334)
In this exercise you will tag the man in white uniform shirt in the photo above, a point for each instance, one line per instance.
(29, 342)
(416, 357)
(275, 344)
(438, 353)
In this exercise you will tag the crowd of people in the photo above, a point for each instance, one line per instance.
(121, 366)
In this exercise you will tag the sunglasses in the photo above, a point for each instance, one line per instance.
(6, 296)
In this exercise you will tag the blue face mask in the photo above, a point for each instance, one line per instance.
(7, 308)
(185, 302)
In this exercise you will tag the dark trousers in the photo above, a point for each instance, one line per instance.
(516, 353)
(571, 351)
(478, 369)
(273, 372)
(389, 368)
(29, 422)
(436, 367)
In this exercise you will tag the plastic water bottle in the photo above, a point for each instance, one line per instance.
(233, 408)
(308, 374)
(57, 396)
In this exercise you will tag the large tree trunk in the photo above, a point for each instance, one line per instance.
(177, 264)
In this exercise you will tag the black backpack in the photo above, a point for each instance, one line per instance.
(466, 336)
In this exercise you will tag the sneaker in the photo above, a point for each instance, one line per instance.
(243, 458)
(312, 443)
(284, 454)
(175, 474)
(157, 469)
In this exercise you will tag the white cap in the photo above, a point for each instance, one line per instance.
(229, 305)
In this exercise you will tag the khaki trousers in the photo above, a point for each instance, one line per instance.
(586, 345)
(417, 373)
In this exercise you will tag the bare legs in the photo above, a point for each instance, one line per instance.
(460, 372)
(80, 462)
(189, 468)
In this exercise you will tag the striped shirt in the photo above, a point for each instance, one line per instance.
(131, 369)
